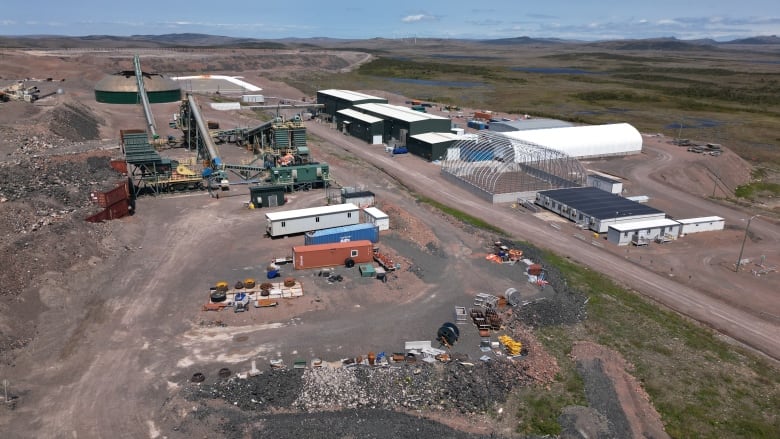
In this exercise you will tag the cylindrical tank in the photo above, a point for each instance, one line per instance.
(371, 358)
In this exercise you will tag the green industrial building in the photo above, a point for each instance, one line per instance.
(122, 88)
(360, 125)
(335, 100)
(431, 146)
(402, 122)
(267, 196)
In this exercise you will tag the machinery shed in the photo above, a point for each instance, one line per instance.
(586, 141)
(703, 224)
(595, 209)
(431, 146)
(504, 126)
(363, 126)
(360, 199)
(267, 196)
(335, 100)
(643, 232)
(611, 185)
(401, 122)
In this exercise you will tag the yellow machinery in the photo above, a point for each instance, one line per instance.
(512, 347)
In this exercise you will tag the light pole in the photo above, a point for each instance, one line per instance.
(739, 260)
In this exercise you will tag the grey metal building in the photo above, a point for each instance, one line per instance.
(527, 124)
(402, 122)
(431, 146)
(594, 208)
(335, 100)
(360, 125)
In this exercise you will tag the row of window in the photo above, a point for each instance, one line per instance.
(317, 219)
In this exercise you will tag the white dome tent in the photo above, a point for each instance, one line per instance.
(585, 141)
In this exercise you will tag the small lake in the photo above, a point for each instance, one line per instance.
(435, 83)
(554, 71)
(694, 123)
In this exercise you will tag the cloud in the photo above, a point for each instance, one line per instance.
(418, 17)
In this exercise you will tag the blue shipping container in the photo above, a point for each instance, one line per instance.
(356, 232)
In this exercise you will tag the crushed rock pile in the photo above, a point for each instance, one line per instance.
(467, 389)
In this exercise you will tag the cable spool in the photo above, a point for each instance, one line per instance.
(289, 282)
(265, 286)
(222, 286)
(239, 285)
(448, 334)
(349, 262)
(249, 283)
(218, 296)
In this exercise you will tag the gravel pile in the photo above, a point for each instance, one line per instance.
(566, 306)
(74, 122)
(601, 396)
(467, 389)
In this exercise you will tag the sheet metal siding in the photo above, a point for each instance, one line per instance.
(310, 219)
(357, 232)
(330, 255)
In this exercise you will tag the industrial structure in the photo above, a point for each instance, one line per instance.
(502, 126)
(585, 141)
(123, 87)
(401, 122)
(431, 146)
(605, 183)
(594, 208)
(500, 169)
(363, 126)
(376, 217)
(336, 100)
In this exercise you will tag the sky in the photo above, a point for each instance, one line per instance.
(581, 20)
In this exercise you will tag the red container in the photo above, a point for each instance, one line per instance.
(332, 254)
(535, 270)
(113, 196)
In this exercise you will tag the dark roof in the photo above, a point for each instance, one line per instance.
(603, 178)
(358, 194)
(599, 204)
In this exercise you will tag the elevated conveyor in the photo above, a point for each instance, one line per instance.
(151, 128)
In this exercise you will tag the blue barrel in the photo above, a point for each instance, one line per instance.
(272, 274)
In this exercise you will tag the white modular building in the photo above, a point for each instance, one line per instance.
(585, 141)
(642, 232)
(611, 185)
(376, 217)
(703, 224)
(290, 222)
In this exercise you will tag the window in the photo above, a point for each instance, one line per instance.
(317, 219)
(353, 253)
(283, 224)
(349, 214)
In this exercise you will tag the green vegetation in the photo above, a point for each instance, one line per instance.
(753, 190)
(701, 386)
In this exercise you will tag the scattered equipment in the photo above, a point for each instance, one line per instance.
(512, 347)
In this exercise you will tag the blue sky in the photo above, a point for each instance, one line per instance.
(584, 20)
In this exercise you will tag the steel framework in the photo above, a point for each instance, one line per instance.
(497, 164)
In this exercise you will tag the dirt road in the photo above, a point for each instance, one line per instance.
(762, 334)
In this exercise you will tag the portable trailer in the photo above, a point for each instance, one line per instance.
(290, 222)
(332, 254)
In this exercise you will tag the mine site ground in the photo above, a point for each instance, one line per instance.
(103, 326)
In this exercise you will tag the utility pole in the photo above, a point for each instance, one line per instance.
(739, 260)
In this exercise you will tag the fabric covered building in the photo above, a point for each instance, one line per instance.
(586, 141)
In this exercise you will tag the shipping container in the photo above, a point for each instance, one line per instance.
(290, 222)
(333, 254)
(485, 115)
(357, 232)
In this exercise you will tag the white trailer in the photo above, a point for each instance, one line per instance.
(377, 218)
(290, 222)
